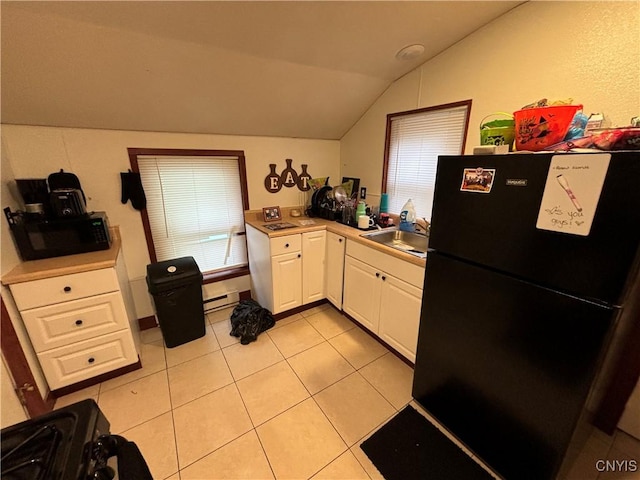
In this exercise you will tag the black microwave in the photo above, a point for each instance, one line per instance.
(55, 237)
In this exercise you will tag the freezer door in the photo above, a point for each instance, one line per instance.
(506, 366)
(498, 229)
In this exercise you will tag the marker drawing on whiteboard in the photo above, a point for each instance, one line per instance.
(565, 185)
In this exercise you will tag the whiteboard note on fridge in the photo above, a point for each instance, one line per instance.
(572, 192)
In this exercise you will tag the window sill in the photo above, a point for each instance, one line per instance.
(213, 277)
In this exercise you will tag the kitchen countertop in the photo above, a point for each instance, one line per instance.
(56, 266)
(255, 219)
(84, 262)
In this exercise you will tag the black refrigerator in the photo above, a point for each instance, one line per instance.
(532, 260)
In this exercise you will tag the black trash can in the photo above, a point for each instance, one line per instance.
(176, 287)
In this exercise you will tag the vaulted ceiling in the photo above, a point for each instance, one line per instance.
(296, 68)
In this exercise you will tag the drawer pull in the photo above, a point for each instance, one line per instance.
(299, 255)
(91, 360)
(340, 240)
(384, 278)
(67, 289)
(377, 275)
(286, 245)
(78, 322)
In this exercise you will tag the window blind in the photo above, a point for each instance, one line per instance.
(194, 205)
(415, 142)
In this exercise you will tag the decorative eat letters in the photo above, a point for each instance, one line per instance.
(289, 178)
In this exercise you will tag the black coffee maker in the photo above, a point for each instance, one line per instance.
(35, 194)
(67, 197)
(58, 196)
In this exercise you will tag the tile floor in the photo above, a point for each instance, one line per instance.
(295, 404)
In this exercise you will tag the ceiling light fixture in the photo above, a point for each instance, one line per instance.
(410, 52)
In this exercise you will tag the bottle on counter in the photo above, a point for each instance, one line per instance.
(361, 209)
(408, 217)
(384, 203)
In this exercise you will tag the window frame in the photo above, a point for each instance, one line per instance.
(208, 277)
(392, 116)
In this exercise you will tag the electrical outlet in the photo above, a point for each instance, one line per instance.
(363, 193)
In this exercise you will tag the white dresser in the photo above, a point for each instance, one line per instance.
(78, 322)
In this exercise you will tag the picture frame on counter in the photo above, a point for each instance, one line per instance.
(271, 214)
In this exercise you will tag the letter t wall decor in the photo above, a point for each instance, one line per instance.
(288, 178)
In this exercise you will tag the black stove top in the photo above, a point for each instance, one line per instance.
(56, 446)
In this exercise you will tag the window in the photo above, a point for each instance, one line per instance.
(414, 141)
(195, 207)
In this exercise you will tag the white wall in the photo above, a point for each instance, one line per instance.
(587, 51)
(98, 156)
(362, 148)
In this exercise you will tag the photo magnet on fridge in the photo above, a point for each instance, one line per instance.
(478, 180)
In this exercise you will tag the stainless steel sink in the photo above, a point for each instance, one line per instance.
(409, 242)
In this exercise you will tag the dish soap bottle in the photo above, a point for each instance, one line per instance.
(408, 217)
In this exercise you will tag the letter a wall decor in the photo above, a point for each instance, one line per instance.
(288, 178)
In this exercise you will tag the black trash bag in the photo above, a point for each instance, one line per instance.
(248, 320)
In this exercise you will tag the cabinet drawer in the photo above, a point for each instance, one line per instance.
(408, 272)
(65, 323)
(71, 364)
(286, 244)
(47, 291)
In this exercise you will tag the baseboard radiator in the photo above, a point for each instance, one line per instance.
(218, 302)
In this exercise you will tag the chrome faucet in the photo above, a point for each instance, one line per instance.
(425, 229)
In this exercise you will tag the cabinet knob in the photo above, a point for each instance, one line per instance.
(383, 278)
(78, 322)
(286, 245)
(299, 255)
(340, 240)
(91, 360)
(67, 289)
(377, 275)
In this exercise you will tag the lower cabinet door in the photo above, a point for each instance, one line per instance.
(400, 305)
(287, 281)
(313, 260)
(362, 292)
(82, 360)
(334, 279)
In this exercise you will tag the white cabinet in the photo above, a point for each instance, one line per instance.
(313, 263)
(78, 324)
(286, 271)
(334, 272)
(400, 305)
(63, 288)
(63, 323)
(383, 294)
(362, 292)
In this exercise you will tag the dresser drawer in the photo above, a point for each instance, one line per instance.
(47, 291)
(286, 244)
(64, 323)
(71, 364)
